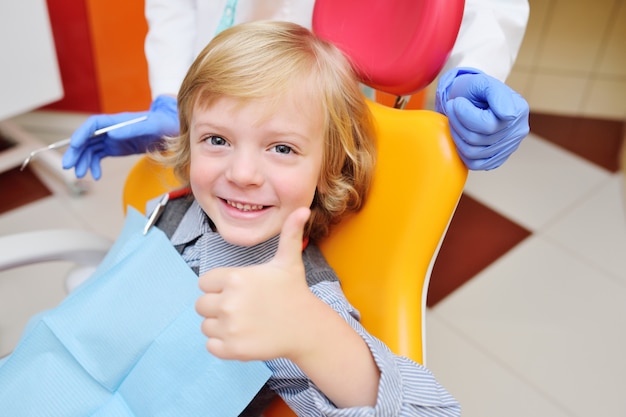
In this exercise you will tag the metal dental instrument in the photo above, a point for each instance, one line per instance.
(66, 142)
(154, 216)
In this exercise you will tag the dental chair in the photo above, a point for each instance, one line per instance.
(383, 254)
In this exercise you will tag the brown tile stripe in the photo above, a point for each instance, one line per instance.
(597, 140)
(20, 188)
(477, 236)
(5, 142)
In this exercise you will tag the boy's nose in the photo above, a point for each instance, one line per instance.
(244, 170)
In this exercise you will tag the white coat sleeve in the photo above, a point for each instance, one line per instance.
(169, 45)
(490, 36)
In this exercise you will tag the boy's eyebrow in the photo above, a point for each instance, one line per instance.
(276, 132)
(208, 125)
(289, 133)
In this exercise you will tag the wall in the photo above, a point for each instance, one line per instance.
(99, 47)
(29, 75)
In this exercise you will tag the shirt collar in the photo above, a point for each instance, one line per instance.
(194, 224)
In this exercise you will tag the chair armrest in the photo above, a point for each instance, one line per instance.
(79, 246)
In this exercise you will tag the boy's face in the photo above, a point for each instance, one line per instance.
(251, 166)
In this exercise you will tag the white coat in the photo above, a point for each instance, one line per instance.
(489, 38)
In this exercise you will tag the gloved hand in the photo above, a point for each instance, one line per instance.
(85, 151)
(488, 120)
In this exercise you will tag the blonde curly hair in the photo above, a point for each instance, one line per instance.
(264, 59)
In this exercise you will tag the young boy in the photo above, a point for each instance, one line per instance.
(276, 145)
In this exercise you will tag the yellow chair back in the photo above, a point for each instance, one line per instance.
(384, 254)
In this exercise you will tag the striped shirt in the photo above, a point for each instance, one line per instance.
(406, 388)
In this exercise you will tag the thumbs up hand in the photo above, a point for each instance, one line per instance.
(255, 312)
(267, 311)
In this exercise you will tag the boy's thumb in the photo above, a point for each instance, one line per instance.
(291, 235)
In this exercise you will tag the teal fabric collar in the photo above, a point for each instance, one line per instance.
(228, 16)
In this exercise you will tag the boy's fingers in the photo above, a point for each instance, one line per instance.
(208, 305)
(213, 280)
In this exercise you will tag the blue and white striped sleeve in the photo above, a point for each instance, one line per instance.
(406, 388)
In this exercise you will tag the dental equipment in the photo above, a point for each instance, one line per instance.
(66, 142)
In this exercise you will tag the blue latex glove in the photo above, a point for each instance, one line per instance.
(488, 120)
(85, 151)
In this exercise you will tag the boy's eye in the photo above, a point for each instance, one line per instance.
(216, 140)
(284, 149)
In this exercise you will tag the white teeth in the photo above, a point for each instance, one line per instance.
(244, 207)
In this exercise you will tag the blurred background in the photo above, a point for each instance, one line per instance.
(527, 302)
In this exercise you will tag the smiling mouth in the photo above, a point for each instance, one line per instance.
(244, 207)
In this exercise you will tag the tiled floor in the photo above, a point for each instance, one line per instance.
(528, 299)
(542, 330)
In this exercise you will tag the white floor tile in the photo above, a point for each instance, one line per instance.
(46, 213)
(101, 208)
(596, 230)
(484, 386)
(536, 184)
(554, 320)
